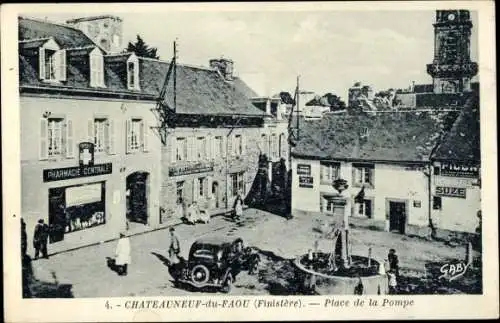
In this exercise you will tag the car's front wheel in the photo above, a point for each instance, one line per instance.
(227, 284)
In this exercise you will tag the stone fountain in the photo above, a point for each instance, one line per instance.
(333, 270)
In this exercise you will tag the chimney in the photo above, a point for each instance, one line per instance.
(224, 66)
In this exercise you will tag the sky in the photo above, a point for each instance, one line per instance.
(330, 50)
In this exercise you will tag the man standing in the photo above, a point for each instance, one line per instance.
(175, 248)
(24, 239)
(40, 238)
(393, 261)
(122, 254)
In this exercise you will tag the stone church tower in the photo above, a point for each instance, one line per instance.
(452, 68)
(106, 31)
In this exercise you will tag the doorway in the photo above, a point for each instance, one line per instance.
(137, 197)
(397, 216)
(215, 193)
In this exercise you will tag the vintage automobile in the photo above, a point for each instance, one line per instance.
(212, 262)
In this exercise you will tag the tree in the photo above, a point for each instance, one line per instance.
(141, 49)
(286, 97)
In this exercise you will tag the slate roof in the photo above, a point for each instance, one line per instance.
(199, 90)
(65, 36)
(462, 143)
(404, 137)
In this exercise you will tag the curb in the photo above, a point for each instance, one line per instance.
(174, 224)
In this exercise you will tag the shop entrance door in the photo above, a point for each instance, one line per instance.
(397, 216)
(137, 197)
(57, 214)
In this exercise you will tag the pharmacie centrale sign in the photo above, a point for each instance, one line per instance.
(59, 174)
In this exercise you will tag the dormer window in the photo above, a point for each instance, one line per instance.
(133, 73)
(52, 62)
(96, 68)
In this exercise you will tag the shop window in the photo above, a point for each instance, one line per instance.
(237, 183)
(181, 149)
(180, 192)
(363, 174)
(436, 203)
(75, 208)
(137, 135)
(329, 172)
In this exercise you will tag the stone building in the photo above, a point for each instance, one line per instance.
(105, 31)
(89, 156)
(385, 160)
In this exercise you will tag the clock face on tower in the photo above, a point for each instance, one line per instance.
(451, 17)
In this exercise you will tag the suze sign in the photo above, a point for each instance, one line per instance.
(451, 191)
(303, 169)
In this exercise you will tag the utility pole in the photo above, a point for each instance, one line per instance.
(297, 103)
(175, 76)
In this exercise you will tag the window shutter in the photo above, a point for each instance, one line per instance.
(209, 186)
(93, 69)
(145, 132)
(61, 65)
(70, 145)
(230, 139)
(41, 63)
(43, 149)
(243, 145)
(90, 131)
(196, 189)
(223, 146)
(208, 147)
(173, 148)
(111, 137)
(128, 129)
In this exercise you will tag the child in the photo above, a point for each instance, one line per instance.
(391, 275)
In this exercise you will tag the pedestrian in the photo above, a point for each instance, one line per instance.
(393, 284)
(24, 238)
(40, 238)
(359, 288)
(238, 206)
(393, 261)
(174, 248)
(122, 254)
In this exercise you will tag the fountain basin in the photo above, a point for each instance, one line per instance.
(324, 281)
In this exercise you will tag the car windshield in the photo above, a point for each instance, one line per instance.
(203, 253)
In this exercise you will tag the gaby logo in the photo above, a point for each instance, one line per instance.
(453, 271)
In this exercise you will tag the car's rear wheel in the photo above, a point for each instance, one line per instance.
(200, 275)
(227, 284)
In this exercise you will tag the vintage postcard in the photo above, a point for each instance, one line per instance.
(244, 161)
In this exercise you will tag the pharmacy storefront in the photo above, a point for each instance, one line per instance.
(77, 202)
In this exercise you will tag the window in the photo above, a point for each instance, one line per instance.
(55, 136)
(217, 147)
(365, 208)
(136, 135)
(237, 183)
(131, 75)
(100, 133)
(201, 186)
(238, 145)
(181, 149)
(274, 146)
(116, 40)
(437, 170)
(436, 203)
(329, 172)
(201, 148)
(50, 64)
(329, 205)
(282, 145)
(180, 192)
(363, 174)
(96, 70)
(264, 144)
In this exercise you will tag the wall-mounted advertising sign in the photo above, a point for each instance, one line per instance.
(59, 174)
(459, 170)
(451, 191)
(190, 169)
(303, 169)
(86, 153)
(306, 181)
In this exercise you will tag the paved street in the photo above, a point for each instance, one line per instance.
(85, 269)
